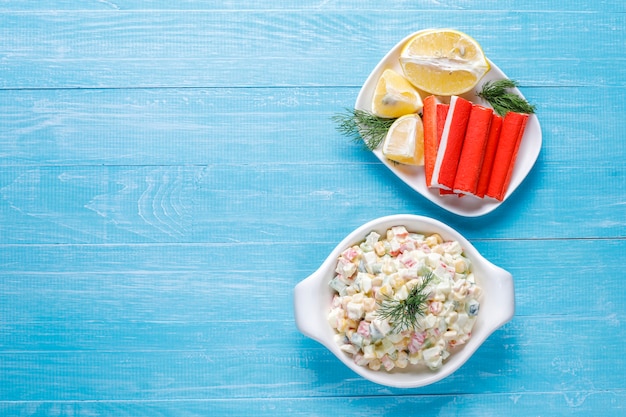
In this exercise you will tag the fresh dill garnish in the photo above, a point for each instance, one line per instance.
(361, 125)
(403, 314)
(502, 100)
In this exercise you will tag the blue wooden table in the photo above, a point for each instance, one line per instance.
(169, 171)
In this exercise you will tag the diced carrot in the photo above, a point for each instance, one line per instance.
(473, 152)
(434, 117)
(451, 143)
(490, 153)
(511, 134)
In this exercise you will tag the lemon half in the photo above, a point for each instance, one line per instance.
(443, 62)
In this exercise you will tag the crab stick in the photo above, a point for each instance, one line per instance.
(443, 192)
(511, 134)
(451, 143)
(473, 151)
(490, 153)
(434, 117)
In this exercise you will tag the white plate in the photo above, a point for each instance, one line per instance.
(469, 206)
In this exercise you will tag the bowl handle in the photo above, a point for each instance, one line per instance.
(505, 302)
(306, 303)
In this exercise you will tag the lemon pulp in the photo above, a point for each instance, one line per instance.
(443, 62)
(394, 96)
(404, 142)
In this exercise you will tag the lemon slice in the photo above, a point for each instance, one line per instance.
(404, 142)
(394, 96)
(443, 62)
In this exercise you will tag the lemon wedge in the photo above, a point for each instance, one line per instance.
(404, 142)
(394, 96)
(443, 62)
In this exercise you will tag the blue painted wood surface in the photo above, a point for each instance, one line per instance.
(169, 171)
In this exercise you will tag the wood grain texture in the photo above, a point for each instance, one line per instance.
(169, 171)
(147, 332)
(82, 49)
(223, 204)
(254, 126)
(575, 404)
(546, 6)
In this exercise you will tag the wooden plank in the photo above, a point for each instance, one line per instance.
(201, 49)
(201, 283)
(347, 71)
(554, 348)
(236, 203)
(574, 403)
(254, 126)
(330, 5)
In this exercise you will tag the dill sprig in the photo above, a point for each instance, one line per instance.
(502, 100)
(403, 314)
(361, 125)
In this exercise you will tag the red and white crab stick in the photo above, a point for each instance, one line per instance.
(473, 151)
(451, 144)
(513, 127)
(490, 154)
(434, 116)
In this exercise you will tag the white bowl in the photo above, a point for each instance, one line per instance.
(313, 296)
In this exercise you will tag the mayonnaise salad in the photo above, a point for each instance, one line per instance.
(386, 268)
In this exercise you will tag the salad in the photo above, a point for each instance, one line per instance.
(389, 273)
